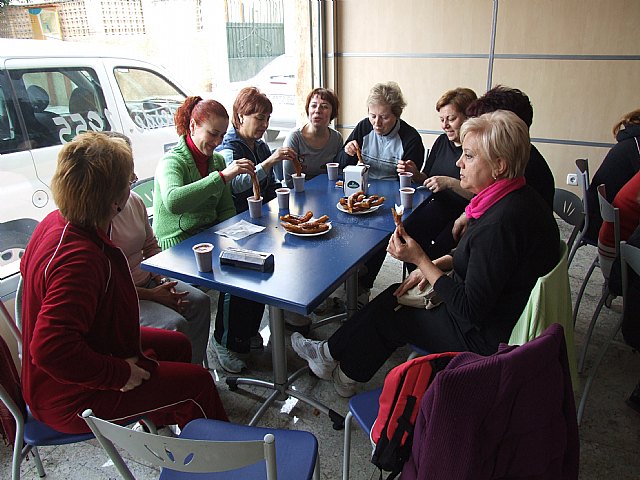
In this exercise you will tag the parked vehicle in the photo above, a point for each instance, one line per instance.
(51, 91)
(277, 80)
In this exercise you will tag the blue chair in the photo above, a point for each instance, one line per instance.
(364, 408)
(213, 449)
(30, 433)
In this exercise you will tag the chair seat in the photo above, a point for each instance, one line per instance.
(296, 451)
(364, 408)
(41, 435)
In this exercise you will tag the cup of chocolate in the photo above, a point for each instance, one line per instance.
(204, 257)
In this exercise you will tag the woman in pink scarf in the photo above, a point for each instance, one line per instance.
(511, 240)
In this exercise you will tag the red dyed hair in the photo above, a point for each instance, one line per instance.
(249, 101)
(198, 109)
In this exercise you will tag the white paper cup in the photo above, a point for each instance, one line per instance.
(203, 254)
(332, 171)
(255, 207)
(283, 198)
(406, 197)
(405, 179)
(298, 182)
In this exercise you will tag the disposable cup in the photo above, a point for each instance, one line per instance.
(298, 182)
(203, 254)
(405, 179)
(406, 197)
(332, 171)
(255, 207)
(283, 198)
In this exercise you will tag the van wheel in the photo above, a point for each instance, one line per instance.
(271, 135)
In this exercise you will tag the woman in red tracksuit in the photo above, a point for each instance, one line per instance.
(83, 344)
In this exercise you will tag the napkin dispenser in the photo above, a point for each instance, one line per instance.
(243, 258)
(356, 178)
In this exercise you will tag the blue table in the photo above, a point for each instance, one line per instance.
(306, 271)
(321, 197)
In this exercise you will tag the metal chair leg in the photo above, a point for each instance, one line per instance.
(592, 324)
(346, 459)
(582, 289)
(594, 369)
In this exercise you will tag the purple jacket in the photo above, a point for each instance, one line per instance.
(510, 415)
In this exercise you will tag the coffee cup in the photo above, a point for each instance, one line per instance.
(283, 198)
(332, 171)
(203, 254)
(298, 182)
(255, 207)
(406, 197)
(405, 179)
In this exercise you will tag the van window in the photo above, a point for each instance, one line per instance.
(151, 99)
(8, 138)
(59, 103)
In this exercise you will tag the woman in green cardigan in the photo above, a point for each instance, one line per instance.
(192, 192)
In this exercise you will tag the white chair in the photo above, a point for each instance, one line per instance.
(609, 214)
(30, 433)
(629, 258)
(223, 449)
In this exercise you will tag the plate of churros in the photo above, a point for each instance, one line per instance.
(359, 203)
(357, 210)
(305, 225)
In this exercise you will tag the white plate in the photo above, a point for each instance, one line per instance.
(310, 234)
(359, 212)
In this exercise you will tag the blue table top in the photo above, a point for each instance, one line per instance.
(321, 196)
(306, 269)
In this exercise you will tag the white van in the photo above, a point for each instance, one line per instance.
(51, 91)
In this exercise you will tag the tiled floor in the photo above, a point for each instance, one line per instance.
(610, 431)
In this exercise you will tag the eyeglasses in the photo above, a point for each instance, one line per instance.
(133, 180)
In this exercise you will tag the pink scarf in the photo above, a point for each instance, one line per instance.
(484, 200)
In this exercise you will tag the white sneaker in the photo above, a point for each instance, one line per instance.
(311, 351)
(228, 360)
(346, 389)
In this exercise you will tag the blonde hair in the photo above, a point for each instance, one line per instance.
(501, 135)
(93, 172)
(631, 118)
(387, 94)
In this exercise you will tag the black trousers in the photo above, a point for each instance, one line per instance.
(365, 341)
(237, 320)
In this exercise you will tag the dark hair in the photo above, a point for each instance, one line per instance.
(327, 95)
(250, 100)
(459, 98)
(198, 109)
(503, 98)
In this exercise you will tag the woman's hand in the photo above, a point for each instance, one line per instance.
(280, 154)
(237, 167)
(405, 248)
(459, 227)
(167, 295)
(415, 278)
(439, 183)
(137, 376)
(351, 148)
(407, 166)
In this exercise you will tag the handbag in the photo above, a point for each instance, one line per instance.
(416, 298)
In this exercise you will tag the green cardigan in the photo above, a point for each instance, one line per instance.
(184, 203)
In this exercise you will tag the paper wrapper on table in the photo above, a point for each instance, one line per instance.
(356, 178)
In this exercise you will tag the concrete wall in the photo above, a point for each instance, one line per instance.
(578, 60)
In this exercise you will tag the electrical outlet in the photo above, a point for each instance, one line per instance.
(572, 179)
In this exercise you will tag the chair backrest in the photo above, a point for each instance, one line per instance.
(611, 214)
(582, 169)
(629, 258)
(144, 188)
(549, 302)
(181, 454)
(568, 206)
